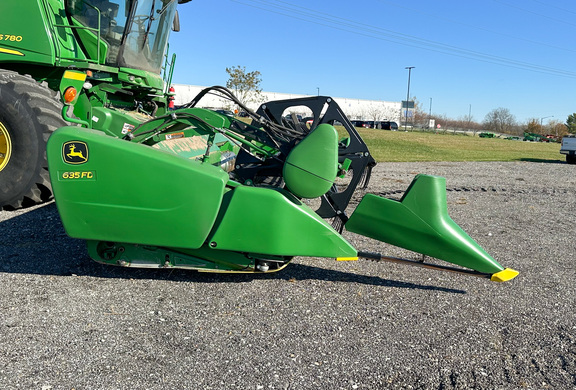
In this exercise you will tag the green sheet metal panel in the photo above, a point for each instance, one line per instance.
(25, 35)
(142, 78)
(312, 165)
(29, 33)
(109, 189)
(268, 221)
(420, 222)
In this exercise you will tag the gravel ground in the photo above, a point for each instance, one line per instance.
(67, 322)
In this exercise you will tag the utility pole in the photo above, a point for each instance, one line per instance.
(408, 96)
(552, 116)
(541, 128)
(430, 113)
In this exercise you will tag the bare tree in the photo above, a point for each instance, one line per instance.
(246, 85)
(419, 116)
(374, 112)
(500, 120)
(379, 111)
(359, 113)
(389, 113)
(533, 126)
(557, 128)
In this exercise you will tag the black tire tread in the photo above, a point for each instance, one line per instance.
(47, 108)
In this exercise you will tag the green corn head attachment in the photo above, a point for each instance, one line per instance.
(167, 196)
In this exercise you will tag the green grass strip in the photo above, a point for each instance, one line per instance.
(400, 146)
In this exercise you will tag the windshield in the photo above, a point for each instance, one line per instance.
(136, 31)
(147, 34)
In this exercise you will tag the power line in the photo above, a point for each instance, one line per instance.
(550, 5)
(335, 22)
(495, 32)
(533, 12)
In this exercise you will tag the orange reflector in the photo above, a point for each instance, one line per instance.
(70, 94)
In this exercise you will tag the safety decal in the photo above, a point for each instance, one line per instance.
(127, 128)
(75, 152)
(174, 136)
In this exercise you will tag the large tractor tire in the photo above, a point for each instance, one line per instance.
(29, 113)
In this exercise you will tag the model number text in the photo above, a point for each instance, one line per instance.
(10, 37)
(78, 175)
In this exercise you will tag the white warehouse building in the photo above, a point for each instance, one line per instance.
(370, 110)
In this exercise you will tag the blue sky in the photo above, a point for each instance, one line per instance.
(468, 56)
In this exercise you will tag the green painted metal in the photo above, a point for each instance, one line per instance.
(112, 122)
(113, 190)
(343, 168)
(195, 133)
(72, 120)
(38, 33)
(202, 121)
(30, 41)
(312, 165)
(141, 78)
(420, 222)
(95, 47)
(122, 191)
(272, 221)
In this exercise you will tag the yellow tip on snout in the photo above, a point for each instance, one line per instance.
(504, 275)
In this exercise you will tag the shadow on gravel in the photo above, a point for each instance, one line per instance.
(305, 272)
(36, 243)
(539, 160)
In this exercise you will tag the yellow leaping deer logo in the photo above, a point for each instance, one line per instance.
(75, 152)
